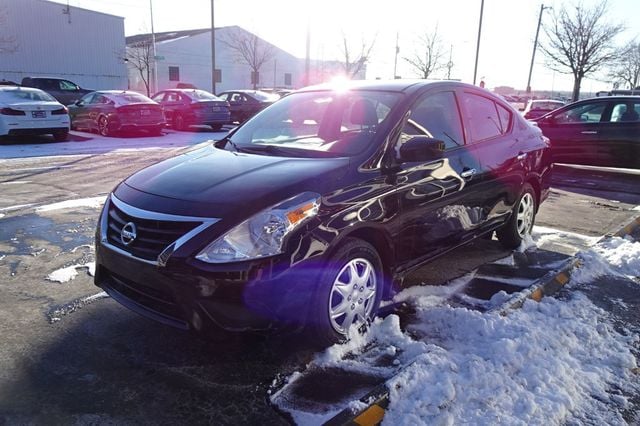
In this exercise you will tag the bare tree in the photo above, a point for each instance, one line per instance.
(140, 56)
(428, 55)
(580, 42)
(8, 43)
(626, 70)
(249, 49)
(355, 61)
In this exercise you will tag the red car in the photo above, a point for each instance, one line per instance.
(186, 107)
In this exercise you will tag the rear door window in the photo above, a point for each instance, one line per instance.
(484, 120)
(625, 111)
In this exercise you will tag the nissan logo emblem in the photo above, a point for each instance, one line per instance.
(128, 233)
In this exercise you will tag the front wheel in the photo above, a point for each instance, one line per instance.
(521, 221)
(349, 291)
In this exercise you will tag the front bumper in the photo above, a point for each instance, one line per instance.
(181, 291)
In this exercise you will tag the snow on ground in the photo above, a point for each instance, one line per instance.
(88, 143)
(552, 362)
(68, 273)
(91, 202)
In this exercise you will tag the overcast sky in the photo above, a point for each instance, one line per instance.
(506, 45)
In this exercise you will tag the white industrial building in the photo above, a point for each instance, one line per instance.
(184, 57)
(43, 38)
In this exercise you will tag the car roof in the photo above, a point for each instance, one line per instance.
(18, 87)
(403, 85)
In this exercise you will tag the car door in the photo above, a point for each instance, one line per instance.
(619, 133)
(439, 209)
(502, 153)
(573, 132)
(79, 112)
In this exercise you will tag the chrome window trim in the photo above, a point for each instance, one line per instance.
(149, 215)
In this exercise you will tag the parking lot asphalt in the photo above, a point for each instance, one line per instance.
(70, 357)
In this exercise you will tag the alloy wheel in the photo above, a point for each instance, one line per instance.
(525, 214)
(352, 295)
(103, 126)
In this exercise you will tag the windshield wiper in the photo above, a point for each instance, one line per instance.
(227, 140)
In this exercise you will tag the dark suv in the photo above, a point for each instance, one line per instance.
(65, 91)
(311, 212)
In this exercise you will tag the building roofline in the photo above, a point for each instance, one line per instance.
(57, 2)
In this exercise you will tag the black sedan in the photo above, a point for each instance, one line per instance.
(112, 111)
(244, 104)
(310, 214)
(186, 107)
(598, 132)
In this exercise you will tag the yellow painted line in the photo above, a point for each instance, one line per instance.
(537, 295)
(562, 278)
(371, 416)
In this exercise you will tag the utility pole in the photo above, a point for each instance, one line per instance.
(475, 69)
(155, 54)
(535, 45)
(213, 52)
(395, 61)
(307, 58)
(450, 63)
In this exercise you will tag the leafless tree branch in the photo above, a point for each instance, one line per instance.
(140, 57)
(355, 62)
(249, 49)
(626, 70)
(580, 41)
(429, 54)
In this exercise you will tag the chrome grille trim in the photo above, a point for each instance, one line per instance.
(154, 216)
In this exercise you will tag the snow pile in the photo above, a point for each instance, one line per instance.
(92, 202)
(550, 362)
(70, 272)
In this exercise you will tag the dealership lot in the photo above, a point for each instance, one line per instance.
(71, 355)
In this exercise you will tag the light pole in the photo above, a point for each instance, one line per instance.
(475, 69)
(155, 54)
(213, 53)
(535, 45)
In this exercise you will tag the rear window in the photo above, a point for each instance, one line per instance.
(130, 98)
(201, 95)
(21, 95)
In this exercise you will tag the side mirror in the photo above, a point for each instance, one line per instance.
(421, 148)
(79, 103)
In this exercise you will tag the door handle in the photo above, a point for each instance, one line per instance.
(589, 132)
(467, 173)
(521, 156)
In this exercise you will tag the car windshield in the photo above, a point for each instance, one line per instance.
(201, 95)
(21, 95)
(264, 96)
(130, 98)
(317, 124)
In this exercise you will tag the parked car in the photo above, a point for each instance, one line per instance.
(310, 213)
(186, 107)
(65, 91)
(602, 131)
(28, 111)
(244, 104)
(111, 111)
(539, 107)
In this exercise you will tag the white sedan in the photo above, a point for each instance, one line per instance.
(28, 111)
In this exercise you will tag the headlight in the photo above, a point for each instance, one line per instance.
(263, 234)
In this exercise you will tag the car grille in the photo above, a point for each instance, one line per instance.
(152, 236)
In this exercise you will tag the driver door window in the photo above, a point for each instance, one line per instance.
(585, 113)
(436, 116)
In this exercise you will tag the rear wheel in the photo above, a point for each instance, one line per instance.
(348, 293)
(103, 126)
(178, 122)
(156, 131)
(61, 136)
(521, 221)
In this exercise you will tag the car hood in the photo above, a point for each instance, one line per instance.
(211, 182)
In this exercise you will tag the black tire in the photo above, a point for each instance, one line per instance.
(215, 127)
(61, 136)
(103, 126)
(178, 122)
(521, 221)
(335, 279)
